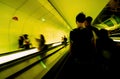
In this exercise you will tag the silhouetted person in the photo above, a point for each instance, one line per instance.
(82, 50)
(41, 43)
(106, 49)
(64, 40)
(27, 42)
(20, 41)
(88, 24)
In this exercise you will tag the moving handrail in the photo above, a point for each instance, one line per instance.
(50, 51)
(27, 55)
(20, 50)
(30, 66)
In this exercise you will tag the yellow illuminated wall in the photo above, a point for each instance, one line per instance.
(70, 8)
(33, 19)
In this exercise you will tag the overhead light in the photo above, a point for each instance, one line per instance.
(43, 19)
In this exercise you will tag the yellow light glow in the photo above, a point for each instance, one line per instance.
(43, 19)
(5, 59)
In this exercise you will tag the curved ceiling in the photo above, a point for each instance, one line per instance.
(68, 9)
(112, 8)
(100, 10)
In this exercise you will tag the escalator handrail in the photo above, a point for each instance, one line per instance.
(30, 66)
(19, 60)
(18, 50)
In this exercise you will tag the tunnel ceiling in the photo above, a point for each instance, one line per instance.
(68, 9)
(112, 8)
(100, 10)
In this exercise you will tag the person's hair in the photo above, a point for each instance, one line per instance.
(42, 36)
(25, 36)
(89, 19)
(80, 17)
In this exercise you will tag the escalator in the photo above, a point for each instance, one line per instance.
(35, 65)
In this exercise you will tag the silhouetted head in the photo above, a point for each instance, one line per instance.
(88, 20)
(25, 36)
(21, 37)
(42, 36)
(80, 17)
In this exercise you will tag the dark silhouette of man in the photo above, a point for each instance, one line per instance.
(81, 44)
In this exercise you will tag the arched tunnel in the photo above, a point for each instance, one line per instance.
(52, 18)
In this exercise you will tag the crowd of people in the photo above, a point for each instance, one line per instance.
(25, 43)
(92, 50)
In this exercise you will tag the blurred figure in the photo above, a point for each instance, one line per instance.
(106, 50)
(64, 40)
(41, 43)
(26, 42)
(20, 41)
